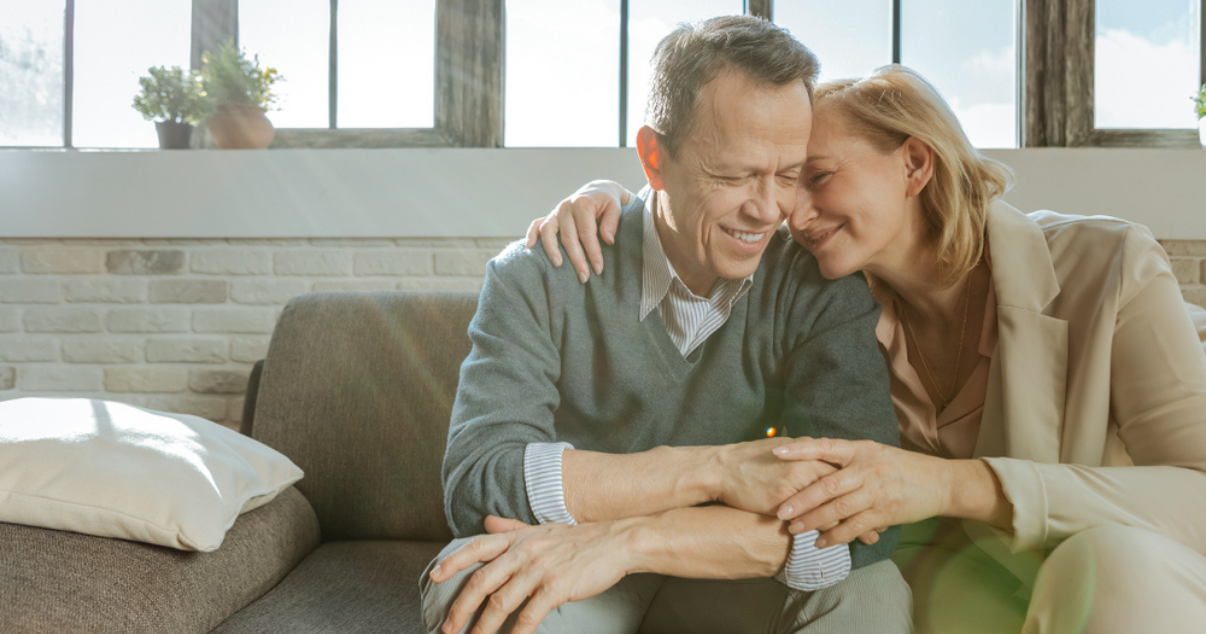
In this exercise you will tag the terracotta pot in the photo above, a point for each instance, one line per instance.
(173, 135)
(241, 126)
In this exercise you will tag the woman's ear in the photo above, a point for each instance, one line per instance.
(919, 165)
(652, 153)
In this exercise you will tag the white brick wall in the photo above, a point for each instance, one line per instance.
(177, 324)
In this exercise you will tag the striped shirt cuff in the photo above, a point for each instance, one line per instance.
(810, 568)
(542, 479)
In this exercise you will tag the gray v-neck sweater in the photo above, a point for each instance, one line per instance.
(555, 360)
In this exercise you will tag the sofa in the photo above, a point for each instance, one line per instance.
(357, 390)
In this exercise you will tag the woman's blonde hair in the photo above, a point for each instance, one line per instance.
(895, 103)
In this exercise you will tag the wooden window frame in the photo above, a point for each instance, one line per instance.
(1058, 85)
(468, 79)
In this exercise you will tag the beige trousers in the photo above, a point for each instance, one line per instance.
(873, 599)
(1107, 580)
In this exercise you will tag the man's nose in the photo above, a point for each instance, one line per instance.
(765, 204)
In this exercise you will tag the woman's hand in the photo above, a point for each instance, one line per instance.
(876, 486)
(591, 211)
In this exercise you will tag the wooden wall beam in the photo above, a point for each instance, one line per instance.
(469, 72)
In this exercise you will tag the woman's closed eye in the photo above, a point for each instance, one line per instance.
(816, 177)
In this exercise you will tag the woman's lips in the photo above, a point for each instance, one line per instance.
(818, 239)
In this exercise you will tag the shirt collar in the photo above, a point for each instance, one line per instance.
(658, 273)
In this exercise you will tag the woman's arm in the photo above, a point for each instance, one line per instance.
(877, 486)
(591, 212)
(1158, 400)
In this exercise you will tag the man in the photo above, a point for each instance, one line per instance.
(622, 415)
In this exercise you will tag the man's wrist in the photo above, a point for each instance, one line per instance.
(699, 480)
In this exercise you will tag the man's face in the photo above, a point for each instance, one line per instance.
(733, 180)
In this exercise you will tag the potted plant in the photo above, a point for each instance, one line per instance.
(242, 92)
(1199, 102)
(175, 100)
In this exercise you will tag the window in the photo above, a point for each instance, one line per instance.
(851, 38)
(413, 73)
(561, 88)
(1112, 72)
(115, 43)
(1146, 62)
(31, 74)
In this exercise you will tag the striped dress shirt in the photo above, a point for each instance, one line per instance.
(689, 320)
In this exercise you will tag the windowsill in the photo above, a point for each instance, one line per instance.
(443, 192)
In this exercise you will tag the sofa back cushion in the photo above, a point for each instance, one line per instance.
(357, 390)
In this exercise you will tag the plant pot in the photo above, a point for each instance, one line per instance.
(241, 126)
(1202, 132)
(173, 135)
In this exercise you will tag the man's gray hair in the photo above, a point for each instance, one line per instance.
(695, 53)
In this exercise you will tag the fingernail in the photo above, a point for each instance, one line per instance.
(609, 235)
(435, 571)
(796, 528)
(598, 268)
(786, 512)
(582, 277)
(822, 542)
(780, 451)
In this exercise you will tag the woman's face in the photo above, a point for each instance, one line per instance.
(851, 203)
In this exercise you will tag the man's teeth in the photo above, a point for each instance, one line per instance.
(746, 237)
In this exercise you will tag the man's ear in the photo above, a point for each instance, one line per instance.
(919, 165)
(653, 154)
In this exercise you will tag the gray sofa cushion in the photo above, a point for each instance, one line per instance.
(357, 390)
(56, 581)
(344, 587)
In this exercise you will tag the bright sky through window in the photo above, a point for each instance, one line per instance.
(1147, 63)
(115, 42)
(31, 73)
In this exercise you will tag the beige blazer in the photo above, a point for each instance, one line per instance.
(1096, 405)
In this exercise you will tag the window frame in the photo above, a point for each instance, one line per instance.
(1058, 58)
(468, 79)
(1056, 77)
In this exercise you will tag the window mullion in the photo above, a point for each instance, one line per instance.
(624, 73)
(333, 68)
(68, 72)
(1202, 42)
(896, 31)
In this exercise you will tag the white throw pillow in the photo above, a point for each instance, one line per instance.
(116, 470)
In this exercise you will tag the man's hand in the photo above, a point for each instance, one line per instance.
(552, 564)
(752, 478)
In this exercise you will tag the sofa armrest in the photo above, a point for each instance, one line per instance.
(58, 581)
(253, 393)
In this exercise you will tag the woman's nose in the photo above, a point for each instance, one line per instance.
(803, 213)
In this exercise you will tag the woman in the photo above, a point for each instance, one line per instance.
(1048, 381)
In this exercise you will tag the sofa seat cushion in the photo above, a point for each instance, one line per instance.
(59, 581)
(346, 587)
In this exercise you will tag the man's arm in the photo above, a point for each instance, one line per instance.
(547, 566)
(506, 398)
(837, 383)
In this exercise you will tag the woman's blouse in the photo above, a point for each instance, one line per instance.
(952, 432)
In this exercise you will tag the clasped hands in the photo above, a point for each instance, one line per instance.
(845, 489)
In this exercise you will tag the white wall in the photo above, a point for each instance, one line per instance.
(403, 193)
